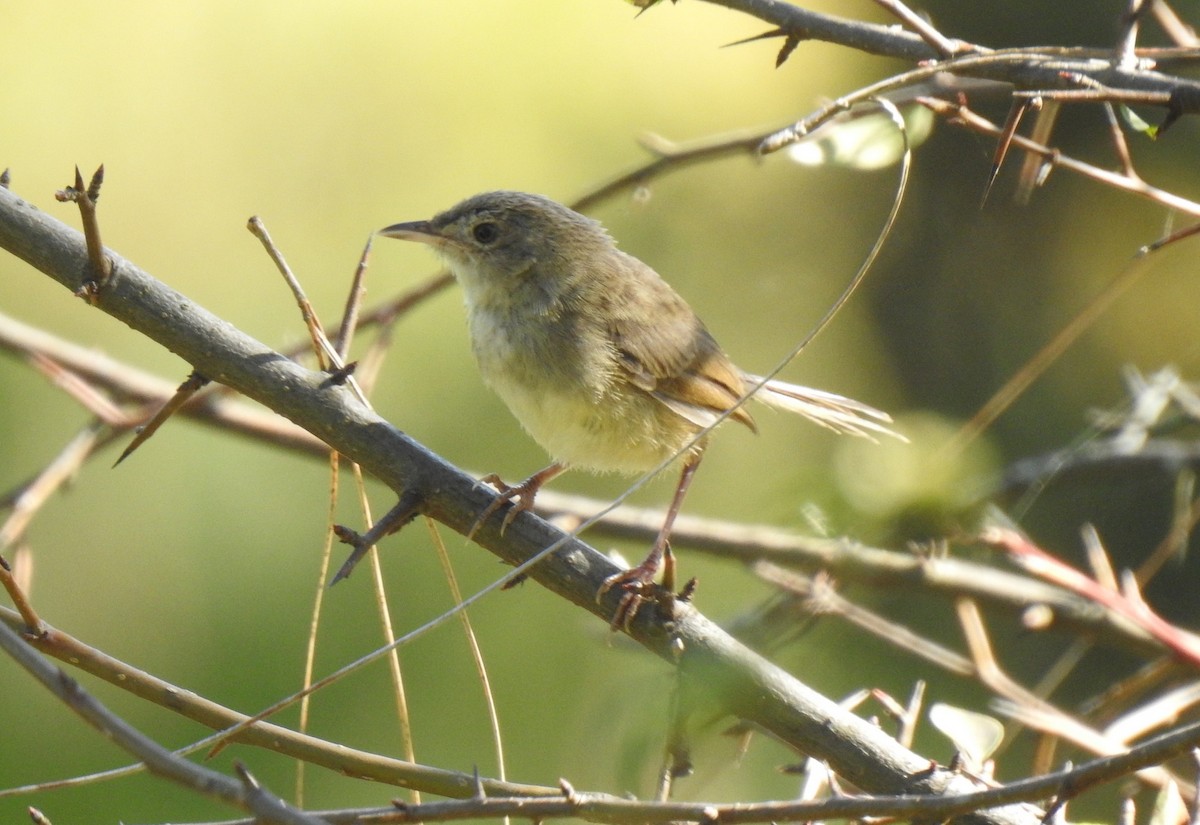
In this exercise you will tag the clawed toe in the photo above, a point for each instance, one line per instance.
(639, 587)
(521, 496)
(635, 579)
(505, 494)
(637, 584)
(627, 611)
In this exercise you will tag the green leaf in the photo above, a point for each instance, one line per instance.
(1137, 124)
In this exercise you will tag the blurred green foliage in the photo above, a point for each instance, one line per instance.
(197, 560)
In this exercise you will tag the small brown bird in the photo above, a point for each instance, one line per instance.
(601, 361)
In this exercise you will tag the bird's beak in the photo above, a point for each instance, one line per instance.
(421, 231)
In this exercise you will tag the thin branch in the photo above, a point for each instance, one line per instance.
(158, 759)
(85, 199)
(334, 756)
(1035, 70)
(1126, 51)
(1028, 708)
(84, 393)
(1181, 33)
(962, 116)
(1126, 602)
(609, 810)
(350, 315)
(31, 499)
(328, 355)
(131, 384)
(746, 543)
(821, 598)
(939, 42)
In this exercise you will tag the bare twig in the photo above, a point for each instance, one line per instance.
(158, 759)
(85, 199)
(744, 542)
(1180, 32)
(129, 383)
(28, 502)
(336, 757)
(184, 393)
(57, 473)
(326, 352)
(821, 598)
(961, 115)
(1126, 602)
(350, 316)
(938, 41)
(1120, 144)
(85, 394)
(1065, 86)
(595, 808)
(1029, 709)
(1034, 70)
(1126, 51)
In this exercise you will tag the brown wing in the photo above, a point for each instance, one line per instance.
(666, 350)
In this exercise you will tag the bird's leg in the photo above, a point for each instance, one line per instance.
(524, 493)
(644, 572)
(637, 579)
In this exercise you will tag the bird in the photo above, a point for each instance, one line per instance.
(602, 362)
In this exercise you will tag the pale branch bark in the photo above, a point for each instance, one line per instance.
(1027, 69)
(741, 681)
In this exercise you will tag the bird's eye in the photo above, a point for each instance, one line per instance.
(485, 232)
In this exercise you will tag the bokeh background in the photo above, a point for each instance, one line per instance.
(197, 560)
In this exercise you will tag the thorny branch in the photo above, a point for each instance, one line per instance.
(1065, 784)
(749, 544)
(747, 685)
(1032, 70)
(1126, 73)
(334, 756)
(157, 758)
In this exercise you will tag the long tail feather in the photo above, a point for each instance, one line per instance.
(837, 412)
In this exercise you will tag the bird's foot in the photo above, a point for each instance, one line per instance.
(638, 586)
(520, 495)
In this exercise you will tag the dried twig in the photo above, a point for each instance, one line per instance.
(158, 759)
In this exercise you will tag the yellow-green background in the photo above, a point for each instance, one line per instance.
(197, 560)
